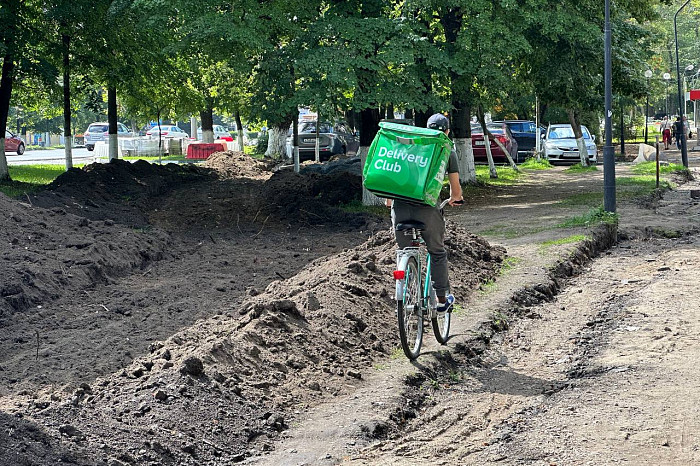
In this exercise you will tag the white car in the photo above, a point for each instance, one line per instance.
(219, 133)
(168, 132)
(560, 145)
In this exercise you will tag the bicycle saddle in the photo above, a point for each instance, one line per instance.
(410, 225)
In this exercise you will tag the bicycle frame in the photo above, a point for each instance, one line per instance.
(427, 300)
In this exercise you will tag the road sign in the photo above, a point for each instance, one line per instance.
(695, 94)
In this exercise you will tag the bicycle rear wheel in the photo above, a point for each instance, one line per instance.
(441, 326)
(409, 312)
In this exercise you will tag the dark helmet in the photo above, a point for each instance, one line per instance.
(439, 122)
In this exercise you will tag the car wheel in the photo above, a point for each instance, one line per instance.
(20, 149)
(90, 148)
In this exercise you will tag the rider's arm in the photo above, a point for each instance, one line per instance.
(388, 202)
(455, 188)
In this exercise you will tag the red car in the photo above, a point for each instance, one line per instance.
(500, 131)
(13, 143)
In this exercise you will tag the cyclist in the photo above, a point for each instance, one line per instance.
(431, 217)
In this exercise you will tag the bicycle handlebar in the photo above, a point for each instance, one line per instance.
(446, 201)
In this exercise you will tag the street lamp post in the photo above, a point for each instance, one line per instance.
(667, 76)
(647, 74)
(684, 146)
(609, 201)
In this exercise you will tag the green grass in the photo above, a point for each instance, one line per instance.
(583, 199)
(509, 264)
(30, 178)
(488, 287)
(457, 309)
(649, 168)
(567, 240)
(44, 147)
(501, 231)
(356, 206)
(533, 164)
(578, 168)
(593, 217)
(506, 176)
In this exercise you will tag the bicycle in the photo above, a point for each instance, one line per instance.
(414, 303)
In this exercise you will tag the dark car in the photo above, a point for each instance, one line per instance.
(13, 143)
(525, 132)
(503, 134)
(334, 138)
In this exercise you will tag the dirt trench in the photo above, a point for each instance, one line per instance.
(200, 312)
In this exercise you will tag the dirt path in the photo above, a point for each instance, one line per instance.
(469, 400)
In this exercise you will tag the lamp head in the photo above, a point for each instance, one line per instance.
(647, 74)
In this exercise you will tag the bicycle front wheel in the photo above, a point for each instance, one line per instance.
(441, 326)
(409, 311)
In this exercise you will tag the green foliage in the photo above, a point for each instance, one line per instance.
(506, 176)
(578, 168)
(30, 178)
(568, 240)
(593, 217)
(533, 164)
(649, 168)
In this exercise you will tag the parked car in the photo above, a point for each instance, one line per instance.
(560, 145)
(334, 138)
(525, 133)
(13, 143)
(100, 132)
(504, 135)
(219, 133)
(168, 132)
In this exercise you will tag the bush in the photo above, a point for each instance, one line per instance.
(261, 146)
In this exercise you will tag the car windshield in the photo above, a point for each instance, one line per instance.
(310, 127)
(494, 129)
(98, 128)
(566, 132)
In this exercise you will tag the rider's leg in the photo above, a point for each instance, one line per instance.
(434, 237)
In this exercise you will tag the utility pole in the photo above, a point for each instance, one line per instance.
(609, 202)
(681, 104)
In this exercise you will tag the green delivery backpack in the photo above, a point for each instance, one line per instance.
(407, 163)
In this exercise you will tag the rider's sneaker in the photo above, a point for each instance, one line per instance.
(447, 305)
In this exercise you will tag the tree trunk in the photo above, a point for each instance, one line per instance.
(576, 126)
(503, 148)
(67, 133)
(239, 130)
(6, 81)
(487, 143)
(207, 117)
(160, 136)
(277, 140)
(461, 131)
(369, 126)
(390, 111)
(112, 120)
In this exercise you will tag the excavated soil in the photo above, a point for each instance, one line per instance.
(190, 314)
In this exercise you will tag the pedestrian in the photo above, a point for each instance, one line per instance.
(677, 131)
(665, 129)
(434, 233)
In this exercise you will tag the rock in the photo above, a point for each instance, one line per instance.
(70, 431)
(353, 373)
(312, 302)
(166, 355)
(314, 386)
(375, 429)
(192, 366)
(160, 395)
(83, 222)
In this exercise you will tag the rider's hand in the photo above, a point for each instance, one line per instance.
(454, 200)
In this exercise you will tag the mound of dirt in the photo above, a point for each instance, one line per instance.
(222, 389)
(234, 164)
(342, 164)
(119, 191)
(49, 251)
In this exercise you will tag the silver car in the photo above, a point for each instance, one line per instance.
(560, 145)
(100, 131)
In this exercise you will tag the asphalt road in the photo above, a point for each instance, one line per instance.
(51, 156)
